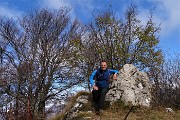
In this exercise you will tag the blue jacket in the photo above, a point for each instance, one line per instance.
(102, 77)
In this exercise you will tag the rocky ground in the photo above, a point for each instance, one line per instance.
(138, 114)
(135, 115)
(118, 111)
(132, 88)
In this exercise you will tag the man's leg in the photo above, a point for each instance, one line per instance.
(96, 99)
(102, 97)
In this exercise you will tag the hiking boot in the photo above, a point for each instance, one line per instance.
(97, 112)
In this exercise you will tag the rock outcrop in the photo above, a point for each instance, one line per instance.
(132, 86)
(77, 104)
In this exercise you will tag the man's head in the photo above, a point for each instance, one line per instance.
(103, 65)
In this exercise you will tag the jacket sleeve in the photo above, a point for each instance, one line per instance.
(113, 71)
(91, 78)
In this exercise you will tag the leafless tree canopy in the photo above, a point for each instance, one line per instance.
(36, 54)
(166, 85)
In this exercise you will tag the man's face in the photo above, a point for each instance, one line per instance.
(103, 65)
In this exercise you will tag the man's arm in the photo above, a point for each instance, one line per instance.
(114, 72)
(91, 78)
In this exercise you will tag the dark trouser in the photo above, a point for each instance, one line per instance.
(99, 97)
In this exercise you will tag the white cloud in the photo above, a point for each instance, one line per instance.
(9, 12)
(86, 5)
(78, 7)
(169, 15)
(56, 4)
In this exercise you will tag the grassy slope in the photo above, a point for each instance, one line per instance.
(119, 110)
(138, 114)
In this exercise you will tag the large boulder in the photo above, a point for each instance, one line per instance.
(132, 86)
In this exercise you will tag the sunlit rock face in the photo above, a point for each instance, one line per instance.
(82, 99)
(132, 86)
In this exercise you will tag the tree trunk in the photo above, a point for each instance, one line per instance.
(41, 110)
(29, 114)
(16, 114)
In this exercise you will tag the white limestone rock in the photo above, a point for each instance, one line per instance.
(132, 86)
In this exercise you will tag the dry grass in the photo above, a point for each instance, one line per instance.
(118, 111)
(141, 114)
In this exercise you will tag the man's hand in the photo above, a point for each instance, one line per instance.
(95, 87)
(115, 77)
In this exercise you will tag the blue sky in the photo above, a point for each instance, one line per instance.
(167, 13)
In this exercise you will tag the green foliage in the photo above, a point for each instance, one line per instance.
(124, 41)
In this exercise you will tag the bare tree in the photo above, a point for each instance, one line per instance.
(36, 61)
(167, 84)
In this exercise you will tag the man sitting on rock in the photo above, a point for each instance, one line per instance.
(99, 81)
